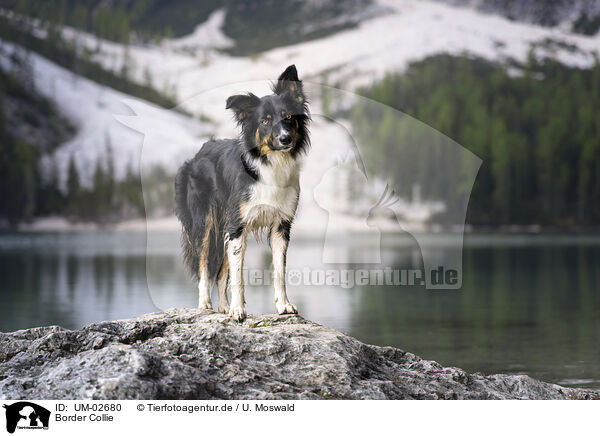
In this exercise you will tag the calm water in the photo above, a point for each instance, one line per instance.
(529, 304)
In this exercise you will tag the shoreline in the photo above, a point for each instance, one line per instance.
(61, 224)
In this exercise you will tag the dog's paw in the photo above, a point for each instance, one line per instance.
(286, 308)
(205, 305)
(224, 308)
(237, 313)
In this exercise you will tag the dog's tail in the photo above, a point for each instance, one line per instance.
(191, 255)
(201, 219)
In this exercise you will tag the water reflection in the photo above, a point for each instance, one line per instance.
(71, 279)
(528, 304)
(522, 309)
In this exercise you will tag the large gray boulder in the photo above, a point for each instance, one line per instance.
(198, 354)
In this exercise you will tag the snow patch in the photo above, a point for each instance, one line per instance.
(93, 107)
(208, 35)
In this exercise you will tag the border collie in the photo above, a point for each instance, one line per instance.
(233, 187)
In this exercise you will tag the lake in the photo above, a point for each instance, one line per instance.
(529, 304)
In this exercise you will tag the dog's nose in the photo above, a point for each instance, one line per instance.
(285, 139)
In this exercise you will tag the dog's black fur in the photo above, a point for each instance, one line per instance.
(211, 188)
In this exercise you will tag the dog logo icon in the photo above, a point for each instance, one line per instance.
(26, 415)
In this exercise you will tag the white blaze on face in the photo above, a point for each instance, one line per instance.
(281, 131)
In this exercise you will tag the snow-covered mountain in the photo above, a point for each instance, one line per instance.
(92, 109)
(411, 30)
(195, 65)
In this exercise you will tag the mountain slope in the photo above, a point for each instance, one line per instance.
(30, 128)
(579, 16)
(201, 75)
(411, 31)
(92, 108)
(254, 26)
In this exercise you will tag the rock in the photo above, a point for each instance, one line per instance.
(198, 354)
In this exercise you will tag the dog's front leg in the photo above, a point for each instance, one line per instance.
(235, 254)
(280, 237)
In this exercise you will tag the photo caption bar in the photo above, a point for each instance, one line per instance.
(155, 417)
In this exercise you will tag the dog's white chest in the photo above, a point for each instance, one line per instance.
(274, 196)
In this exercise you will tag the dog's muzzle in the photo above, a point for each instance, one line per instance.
(283, 142)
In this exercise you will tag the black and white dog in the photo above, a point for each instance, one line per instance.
(233, 187)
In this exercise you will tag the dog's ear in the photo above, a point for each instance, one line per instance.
(290, 74)
(289, 83)
(242, 105)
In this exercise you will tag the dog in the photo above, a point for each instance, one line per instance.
(235, 187)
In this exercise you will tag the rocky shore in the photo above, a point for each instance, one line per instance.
(198, 354)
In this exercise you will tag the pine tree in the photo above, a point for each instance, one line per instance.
(73, 188)
(98, 193)
(110, 177)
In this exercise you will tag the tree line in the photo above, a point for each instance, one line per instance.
(537, 132)
(69, 55)
(30, 183)
(31, 128)
(255, 26)
(120, 20)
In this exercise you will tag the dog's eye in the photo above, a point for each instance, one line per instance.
(266, 121)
